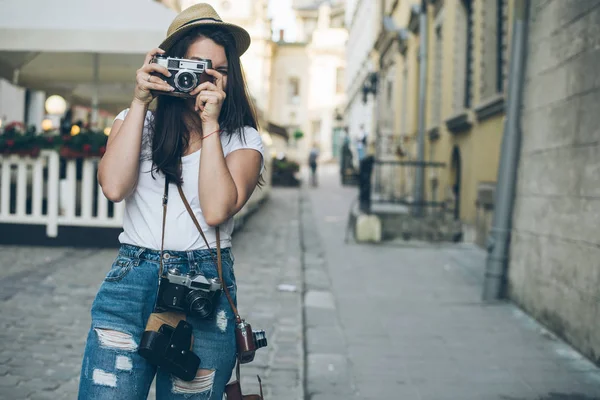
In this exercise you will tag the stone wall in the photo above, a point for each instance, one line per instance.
(555, 254)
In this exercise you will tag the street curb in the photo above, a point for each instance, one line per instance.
(303, 369)
(327, 371)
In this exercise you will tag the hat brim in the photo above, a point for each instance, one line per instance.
(240, 35)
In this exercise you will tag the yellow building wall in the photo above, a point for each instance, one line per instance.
(479, 146)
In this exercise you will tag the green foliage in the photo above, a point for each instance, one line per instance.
(298, 134)
(285, 165)
(88, 141)
(284, 172)
(17, 140)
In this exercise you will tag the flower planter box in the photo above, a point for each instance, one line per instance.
(34, 152)
(68, 153)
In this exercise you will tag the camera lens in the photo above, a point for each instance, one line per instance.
(185, 80)
(198, 304)
(260, 339)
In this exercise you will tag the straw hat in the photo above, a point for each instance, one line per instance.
(203, 15)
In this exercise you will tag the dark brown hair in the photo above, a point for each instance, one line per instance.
(170, 135)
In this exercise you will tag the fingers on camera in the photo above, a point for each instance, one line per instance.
(203, 86)
(157, 68)
(163, 86)
(152, 53)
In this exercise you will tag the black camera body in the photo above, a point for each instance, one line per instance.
(191, 294)
(186, 74)
(169, 348)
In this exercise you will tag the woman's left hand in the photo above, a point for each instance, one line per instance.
(210, 97)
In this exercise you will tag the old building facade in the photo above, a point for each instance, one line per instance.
(467, 53)
(307, 92)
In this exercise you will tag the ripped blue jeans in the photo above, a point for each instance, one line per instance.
(112, 368)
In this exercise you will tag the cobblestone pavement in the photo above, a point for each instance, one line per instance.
(406, 322)
(46, 294)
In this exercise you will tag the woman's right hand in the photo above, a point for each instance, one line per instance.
(146, 82)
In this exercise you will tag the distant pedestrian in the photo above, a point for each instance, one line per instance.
(313, 157)
(361, 143)
(205, 147)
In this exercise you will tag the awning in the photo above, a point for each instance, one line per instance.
(80, 49)
(277, 130)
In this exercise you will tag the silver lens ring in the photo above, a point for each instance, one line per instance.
(194, 80)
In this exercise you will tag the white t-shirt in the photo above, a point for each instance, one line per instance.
(142, 221)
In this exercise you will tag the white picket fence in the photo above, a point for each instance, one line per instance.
(31, 192)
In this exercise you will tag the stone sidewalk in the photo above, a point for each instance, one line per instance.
(406, 322)
(46, 294)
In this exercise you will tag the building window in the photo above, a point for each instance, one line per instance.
(340, 80)
(294, 90)
(501, 22)
(437, 85)
(493, 49)
(316, 131)
(469, 56)
(463, 61)
(404, 125)
(386, 106)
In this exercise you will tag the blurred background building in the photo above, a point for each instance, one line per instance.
(467, 50)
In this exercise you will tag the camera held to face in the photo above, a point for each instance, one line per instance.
(186, 74)
(191, 294)
(248, 341)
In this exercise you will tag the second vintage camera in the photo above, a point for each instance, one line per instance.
(248, 341)
(186, 74)
(191, 294)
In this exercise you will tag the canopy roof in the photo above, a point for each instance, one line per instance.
(51, 45)
(100, 26)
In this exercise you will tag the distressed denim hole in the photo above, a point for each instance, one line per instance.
(203, 382)
(115, 340)
(222, 320)
(103, 378)
(123, 363)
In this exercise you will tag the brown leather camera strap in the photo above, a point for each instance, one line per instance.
(195, 220)
(218, 261)
(165, 200)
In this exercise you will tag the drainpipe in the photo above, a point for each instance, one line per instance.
(420, 172)
(499, 239)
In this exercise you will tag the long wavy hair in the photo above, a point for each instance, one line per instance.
(170, 133)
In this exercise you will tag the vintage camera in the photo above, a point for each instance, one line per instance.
(248, 341)
(169, 347)
(186, 75)
(192, 294)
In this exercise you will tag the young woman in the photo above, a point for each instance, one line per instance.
(209, 145)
